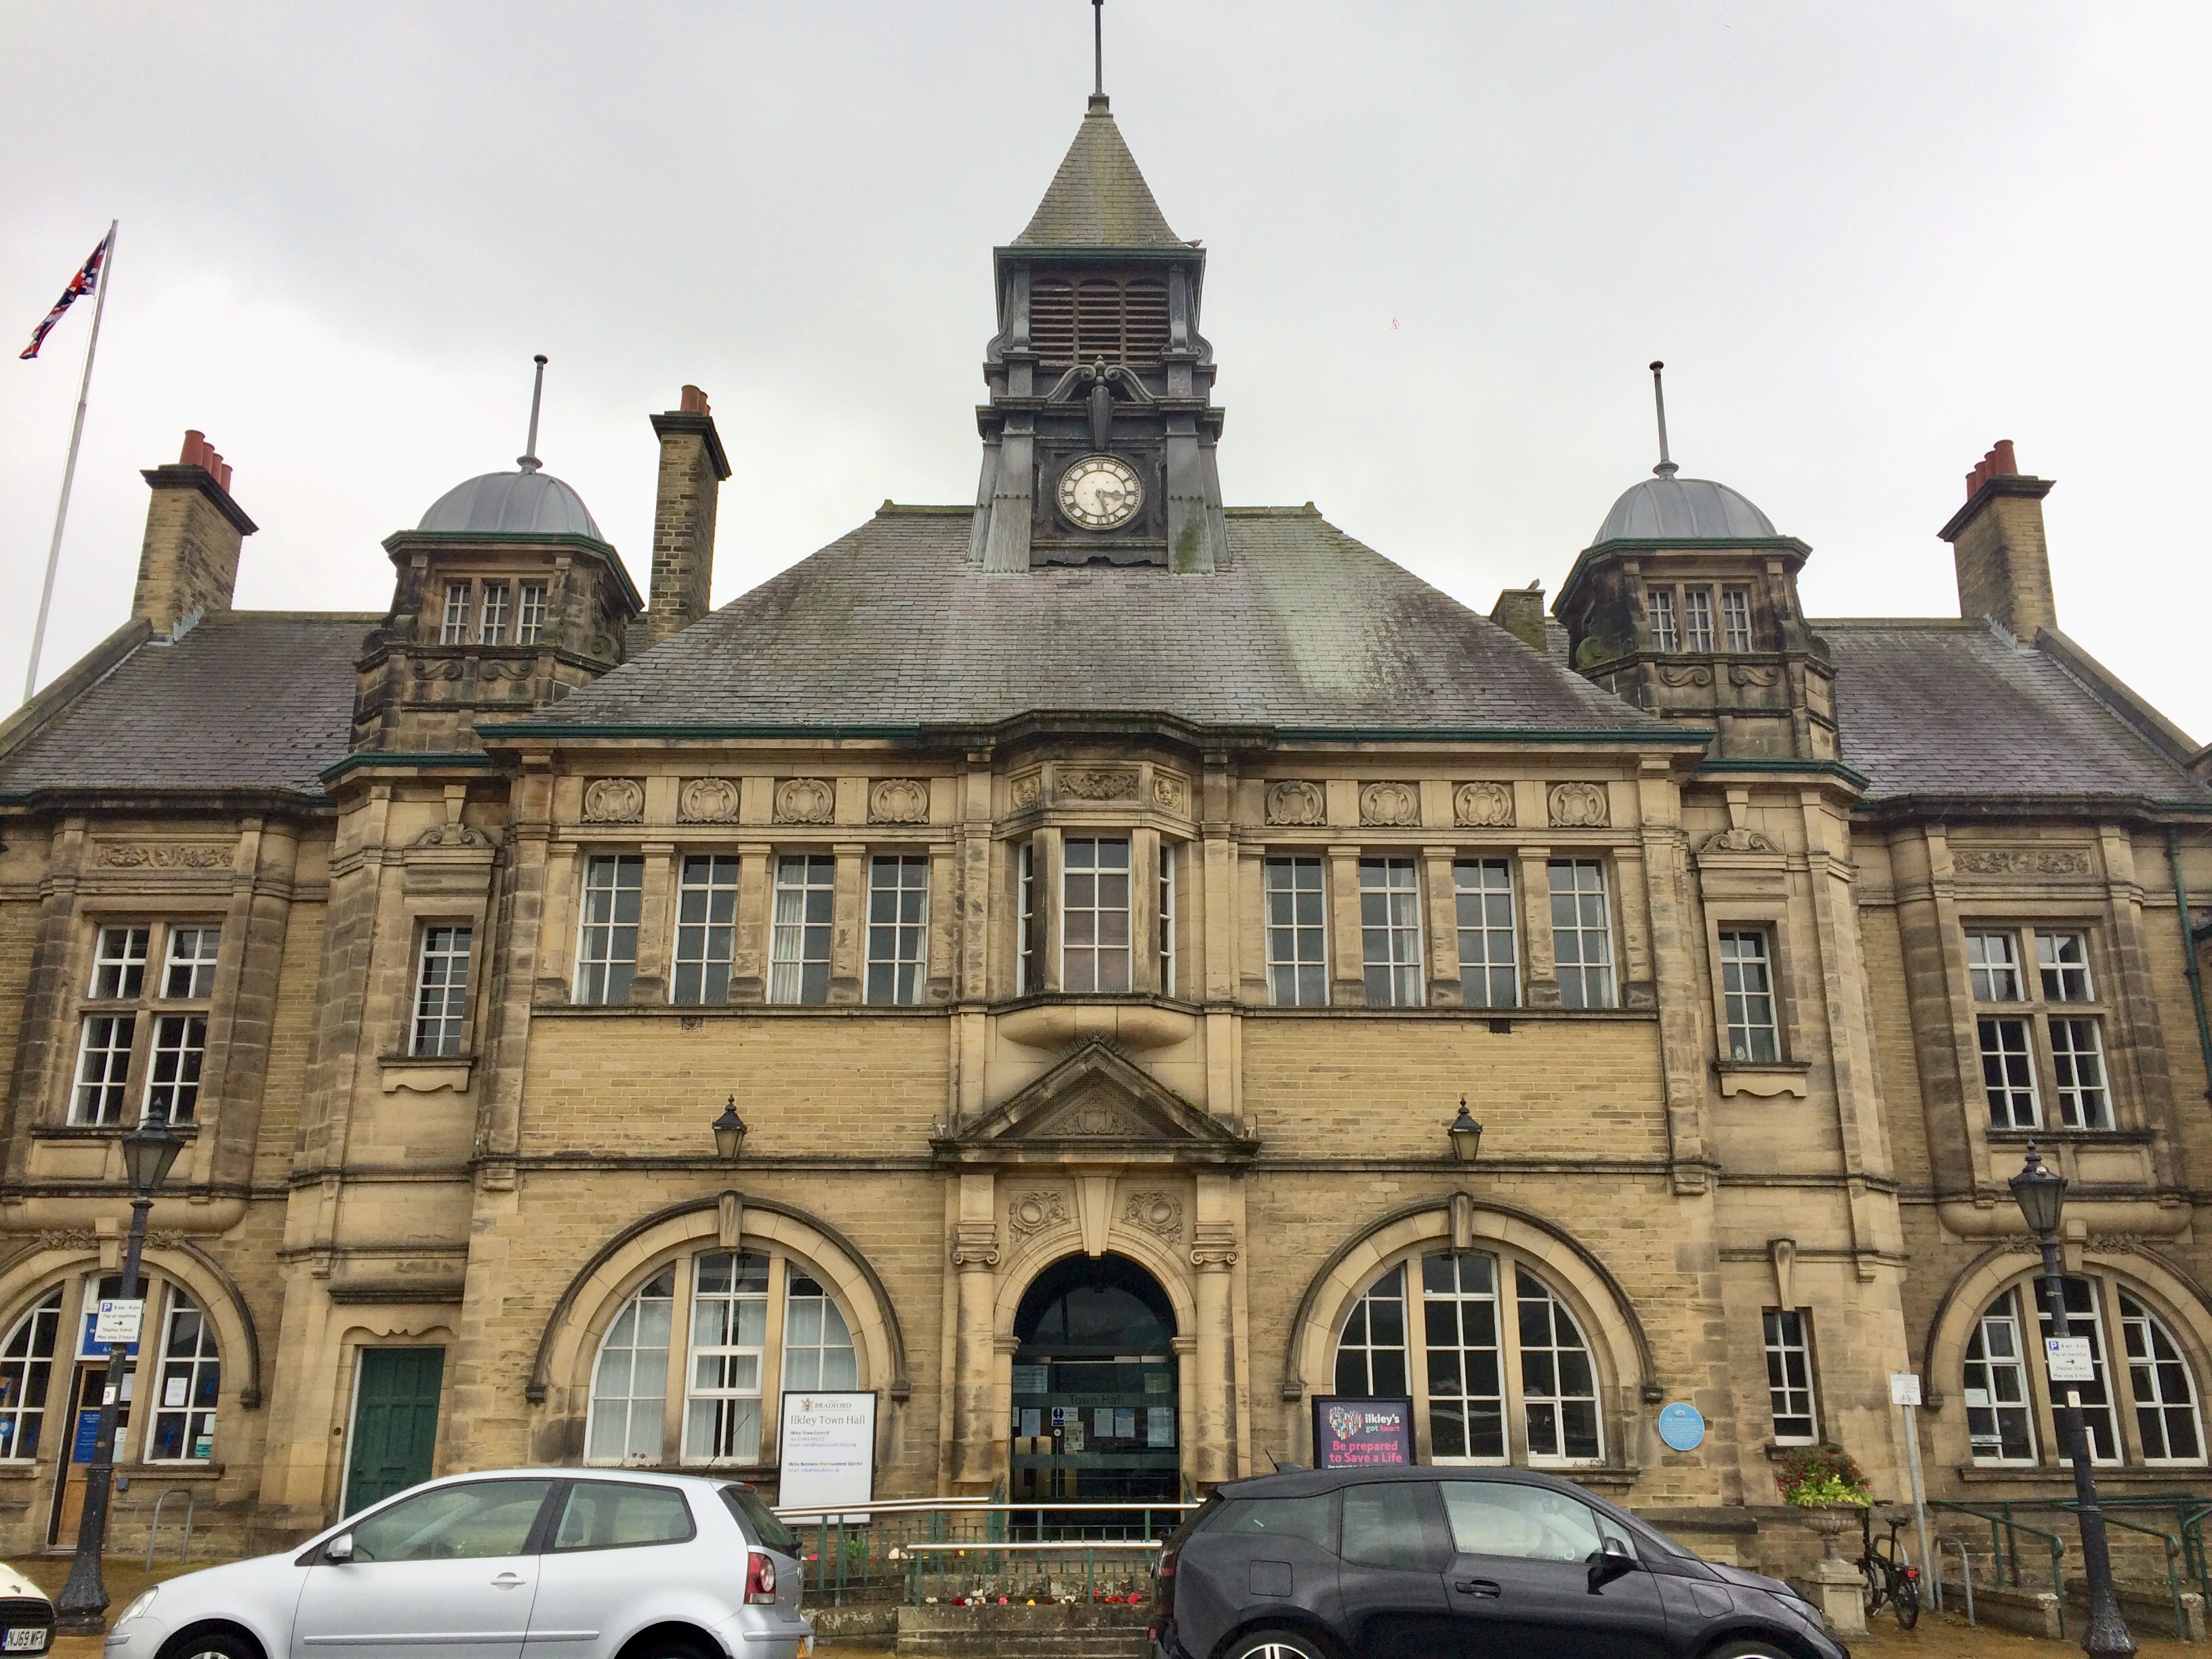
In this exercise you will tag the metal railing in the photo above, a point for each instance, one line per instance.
(2004, 1545)
(944, 1548)
(2184, 1548)
(154, 1528)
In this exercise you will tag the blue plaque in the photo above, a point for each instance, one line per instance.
(1681, 1427)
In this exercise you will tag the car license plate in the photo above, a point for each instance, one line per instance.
(30, 1640)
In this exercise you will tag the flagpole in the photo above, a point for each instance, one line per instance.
(69, 471)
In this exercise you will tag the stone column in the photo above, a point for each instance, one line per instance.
(1540, 972)
(749, 949)
(848, 901)
(1347, 966)
(1441, 897)
(1144, 911)
(648, 982)
(1213, 1253)
(975, 1259)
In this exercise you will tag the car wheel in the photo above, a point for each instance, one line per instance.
(211, 1644)
(1749, 1650)
(1275, 1644)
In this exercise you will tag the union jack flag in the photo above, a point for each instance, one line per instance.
(83, 282)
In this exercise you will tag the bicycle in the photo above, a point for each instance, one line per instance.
(1890, 1579)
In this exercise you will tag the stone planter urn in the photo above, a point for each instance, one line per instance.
(1842, 1591)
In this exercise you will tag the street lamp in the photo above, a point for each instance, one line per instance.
(1465, 1135)
(729, 1132)
(149, 1152)
(2040, 1192)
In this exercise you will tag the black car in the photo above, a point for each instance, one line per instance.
(1456, 1563)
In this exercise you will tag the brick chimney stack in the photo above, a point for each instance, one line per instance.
(1997, 539)
(692, 468)
(189, 560)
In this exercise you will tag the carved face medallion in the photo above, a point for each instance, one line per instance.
(1100, 492)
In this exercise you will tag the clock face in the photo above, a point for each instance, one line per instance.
(1100, 492)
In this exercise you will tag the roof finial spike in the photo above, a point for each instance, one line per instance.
(528, 460)
(1098, 54)
(1666, 469)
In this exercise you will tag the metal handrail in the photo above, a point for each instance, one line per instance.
(2002, 1517)
(2172, 1550)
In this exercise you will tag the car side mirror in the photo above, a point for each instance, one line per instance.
(339, 1549)
(1613, 1559)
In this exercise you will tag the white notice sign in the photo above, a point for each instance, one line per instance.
(828, 1454)
(117, 1320)
(1903, 1388)
(2068, 1358)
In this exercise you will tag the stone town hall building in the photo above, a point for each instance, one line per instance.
(1097, 900)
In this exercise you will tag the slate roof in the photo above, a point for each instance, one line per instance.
(1098, 198)
(247, 700)
(893, 627)
(1953, 708)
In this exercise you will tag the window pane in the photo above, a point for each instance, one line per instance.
(27, 1364)
(2077, 1059)
(191, 1383)
(706, 929)
(600, 1515)
(118, 966)
(1735, 617)
(470, 1521)
(1467, 1392)
(1025, 921)
(799, 939)
(630, 1381)
(1392, 1525)
(1488, 965)
(1993, 967)
(172, 1075)
(1094, 914)
(1525, 1524)
(1297, 970)
(729, 1326)
(2062, 961)
(1559, 1385)
(2084, 1318)
(1747, 990)
(1697, 618)
(103, 1068)
(530, 620)
(190, 970)
(2000, 1426)
(441, 990)
(2008, 1073)
(493, 629)
(898, 928)
(1370, 1355)
(1167, 908)
(1581, 934)
(1659, 601)
(456, 629)
(817, 1345)
(1390, 933)
(606, 943)
(1789, 1377)
(2166, 1416)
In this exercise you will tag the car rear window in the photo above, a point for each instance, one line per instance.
(608, 1514)
(756, 1518)
(1304, 1518)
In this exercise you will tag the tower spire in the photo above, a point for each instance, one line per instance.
(1098, 50)
(528, 460)
(1666, 469)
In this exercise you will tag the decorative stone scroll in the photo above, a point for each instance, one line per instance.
(1738, 840)
(1392, 806)
(1296, 804)
(1685, 674)
(1158, 1213)
(804, 801)
(1033, 1213)
(2020, 861)
(898, 801)
(1097, 783)
(452, 834)
(161, 856)
(706, 800)
(1579, 807)
(614, 801)
(1483, 806)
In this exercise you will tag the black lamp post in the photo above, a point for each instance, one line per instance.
(2041, 1194)
(149, 1151)
(1465, 1135)
(729, 1132)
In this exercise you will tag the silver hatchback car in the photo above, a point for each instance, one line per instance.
(558, 1564)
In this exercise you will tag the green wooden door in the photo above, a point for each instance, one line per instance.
(395, 1423)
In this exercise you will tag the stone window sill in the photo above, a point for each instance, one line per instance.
(100, 1132)
(2051, 1137)
(154, 1473)
(425, 1074)
(1976, 1475)
(1765, 1078)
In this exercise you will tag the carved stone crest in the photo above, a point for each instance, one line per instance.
(1579, 807)
(135, 855)
(1158, 1214)
(1391, 805)
(1296, 803)
(898, 801)
(614, 801)
(1032, 1213)
(1025, 790)
(1167, 791)
(2020, 861)
(1483, 806)
(804, 801)
(1738, 840)
(1097, 783)
(706, 800)
(1095, 1117)
(455, 834)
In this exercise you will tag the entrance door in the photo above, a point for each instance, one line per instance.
(395, 1422)
(1095, 1385)
(87, 1388)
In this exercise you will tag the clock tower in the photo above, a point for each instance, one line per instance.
(1098, 440)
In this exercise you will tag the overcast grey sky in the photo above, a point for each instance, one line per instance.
(1445, 239)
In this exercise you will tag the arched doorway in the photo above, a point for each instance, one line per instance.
(1094, 1417)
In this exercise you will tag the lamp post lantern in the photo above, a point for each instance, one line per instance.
(2040, 1192)
(729, 1132)
(149, 1152)
(1464, 1136)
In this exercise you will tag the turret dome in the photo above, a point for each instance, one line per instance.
(525, 503)
(1683, 509)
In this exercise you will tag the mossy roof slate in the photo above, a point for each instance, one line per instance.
(1098, 198)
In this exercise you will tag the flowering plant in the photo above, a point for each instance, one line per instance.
(1820, 1476)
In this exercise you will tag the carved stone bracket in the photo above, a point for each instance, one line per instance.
(455, 834)
(706, 800)
(1214, 1248)
(974, 1245)
(1737, 841)
(1158, 1214)
(614, 801)
(804, 801)
(898, 801)
(1579, 807)
(1391, 805)
(1296, 803)
(1483, 806)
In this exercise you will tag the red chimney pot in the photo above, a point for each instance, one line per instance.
(695, 401)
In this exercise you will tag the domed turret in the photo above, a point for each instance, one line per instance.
(524, 503)
(1682, 510)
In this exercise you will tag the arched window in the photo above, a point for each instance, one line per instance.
(191, 1380)
(26, 1370)
(2009, 1396)
(1488, 1385)
(749, 1324)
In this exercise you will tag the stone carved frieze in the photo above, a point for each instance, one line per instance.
(1296, 803)
(1483, 806)
(1158, 1213)
(1392, 806)
(1033, 1213)
(160, 855)
(2021, 862)
(707, 800)
(1751, 673)
(1685, 674)
(1097, 783)
(614, 801)
(898, 801)
(1579, 807)
(804, 801)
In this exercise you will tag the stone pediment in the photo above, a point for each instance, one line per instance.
(1097, 1106)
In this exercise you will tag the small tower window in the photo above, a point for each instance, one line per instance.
(1698, 617)
(493, 629)
(456, 631)
(1660, 602)
(1735, 617)
(530, 622)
